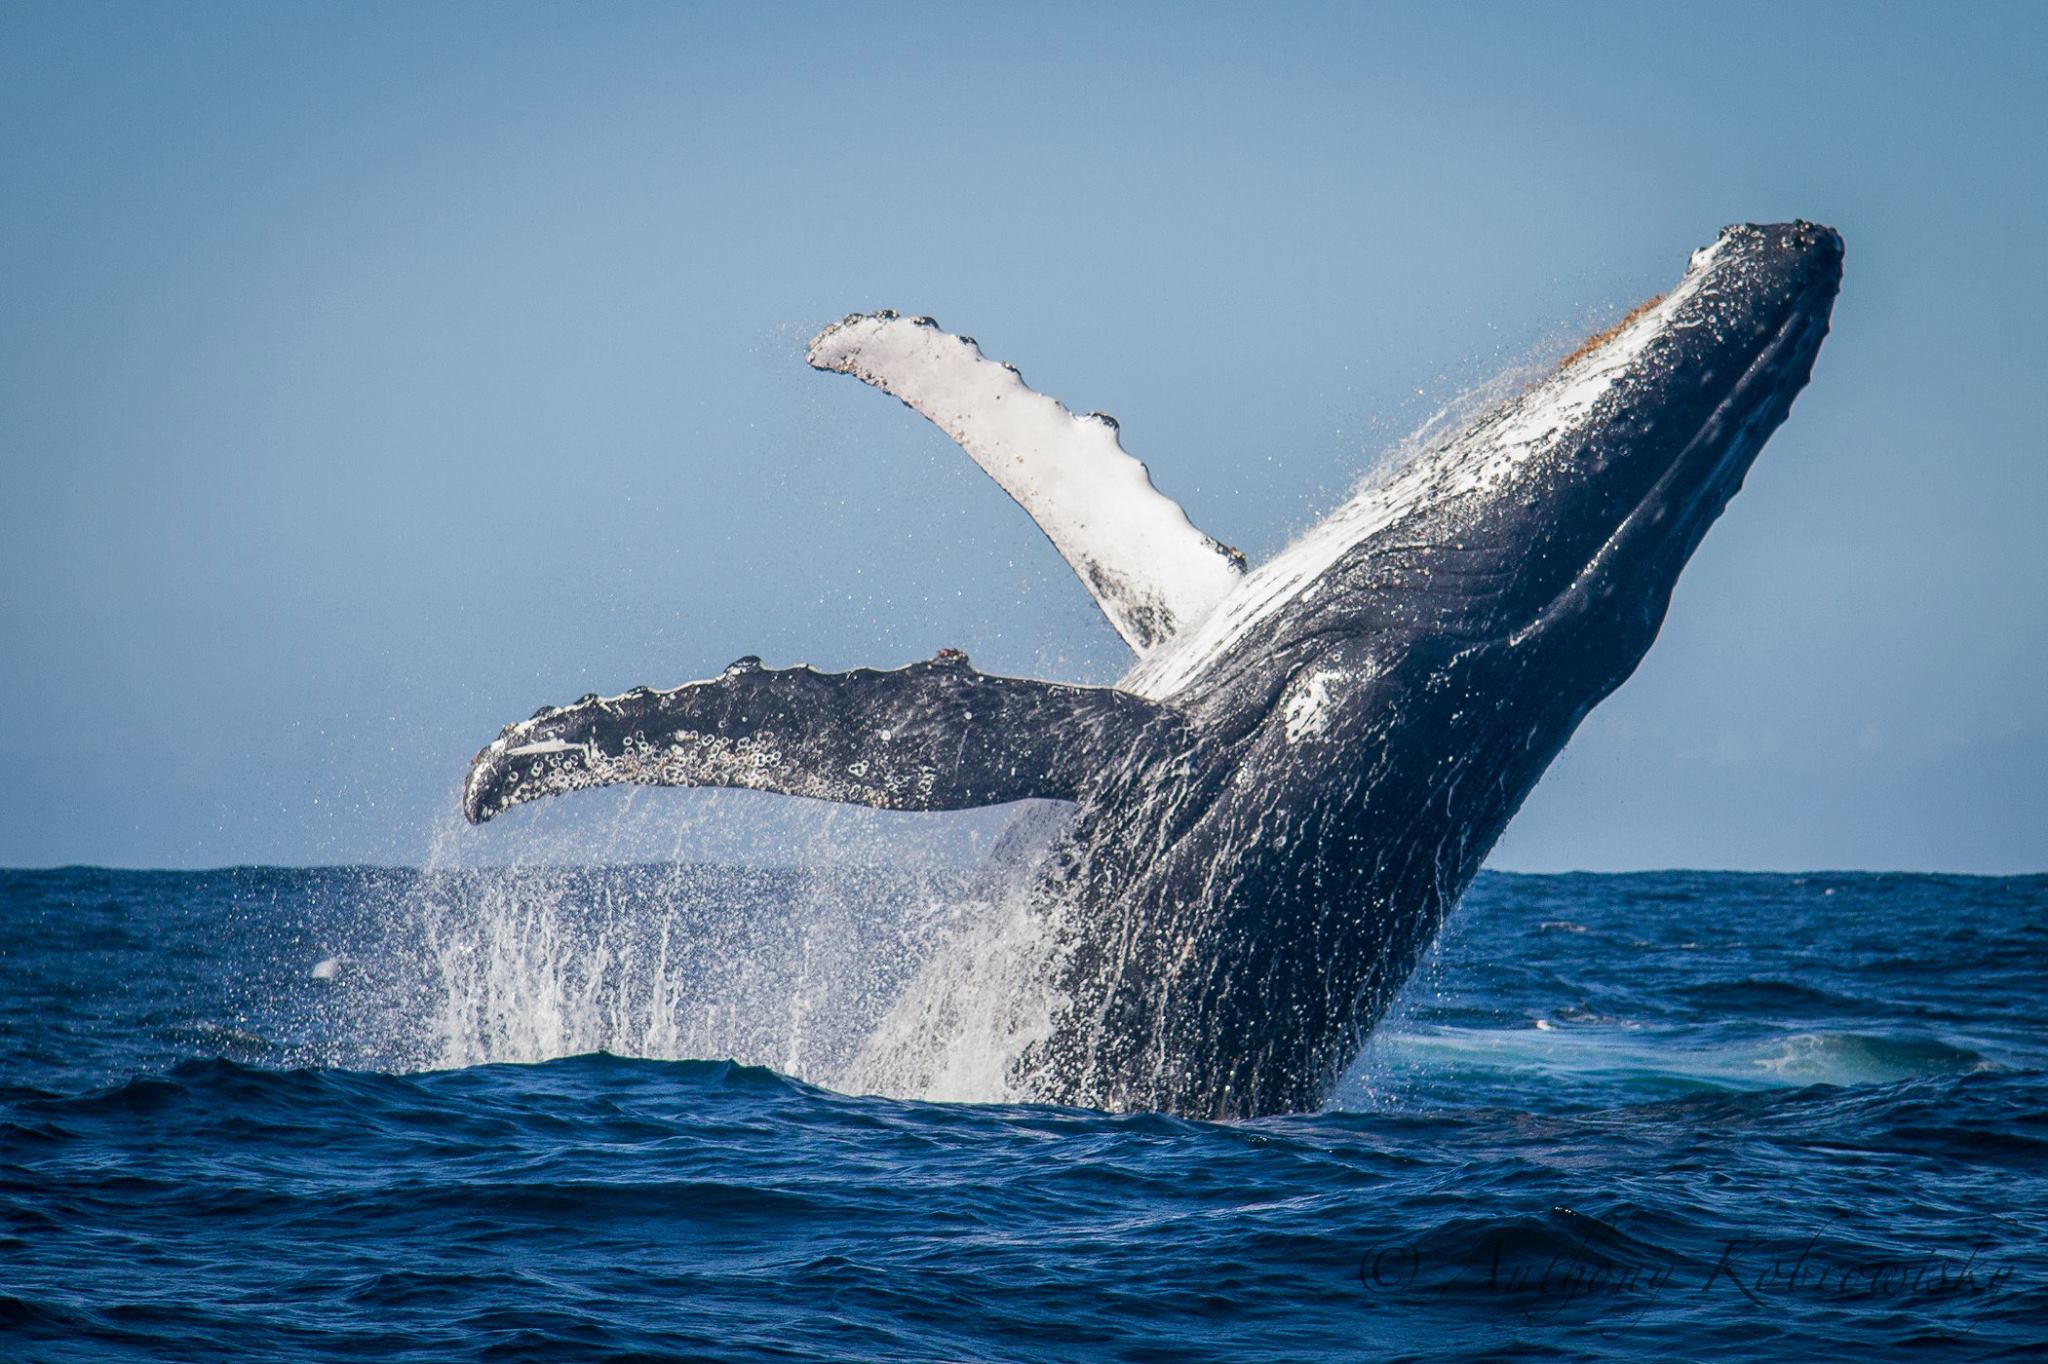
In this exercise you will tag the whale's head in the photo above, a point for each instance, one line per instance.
(1588, 495)
(1546, 534)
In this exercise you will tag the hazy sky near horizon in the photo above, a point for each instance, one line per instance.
(372, 374)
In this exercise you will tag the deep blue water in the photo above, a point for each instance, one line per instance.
(1682, 1116)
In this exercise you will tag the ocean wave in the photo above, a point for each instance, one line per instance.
(207, 1152)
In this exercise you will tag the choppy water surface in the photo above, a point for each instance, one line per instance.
(396, 1115)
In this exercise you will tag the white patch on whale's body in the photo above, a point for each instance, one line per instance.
(1310, 701)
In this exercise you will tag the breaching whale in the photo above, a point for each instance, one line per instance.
(1279, 803)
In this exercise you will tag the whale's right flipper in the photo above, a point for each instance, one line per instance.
(932, 736)
(1148, 568)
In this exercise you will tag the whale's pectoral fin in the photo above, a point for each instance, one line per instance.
(1152, 573)
(932, 736)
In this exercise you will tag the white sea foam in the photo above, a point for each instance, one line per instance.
(957, 1031)
(912, 982)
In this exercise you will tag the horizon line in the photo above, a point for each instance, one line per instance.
(850, 864)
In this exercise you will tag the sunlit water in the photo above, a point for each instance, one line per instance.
(551, 1114)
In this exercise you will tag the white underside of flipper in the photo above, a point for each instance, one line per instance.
(1150, 570)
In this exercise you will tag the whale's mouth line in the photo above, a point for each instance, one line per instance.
(1748, 398)
(1743, 404)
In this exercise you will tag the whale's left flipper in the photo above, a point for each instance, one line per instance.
(1148, 568)
(932, 736)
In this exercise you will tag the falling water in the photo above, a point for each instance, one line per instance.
(916, 981)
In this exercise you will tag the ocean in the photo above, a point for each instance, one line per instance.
(545, 1114)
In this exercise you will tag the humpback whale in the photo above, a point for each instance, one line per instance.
(1275, 809)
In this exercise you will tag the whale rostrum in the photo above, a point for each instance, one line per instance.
(1275, 809)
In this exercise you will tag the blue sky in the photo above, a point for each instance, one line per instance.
(370, 375)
